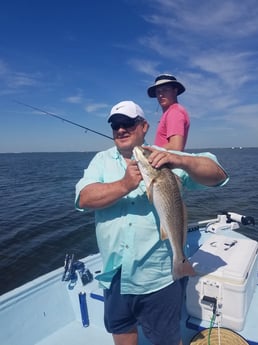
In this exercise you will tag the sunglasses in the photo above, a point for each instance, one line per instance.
(125, 124)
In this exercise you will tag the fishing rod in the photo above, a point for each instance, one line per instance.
(63, 119)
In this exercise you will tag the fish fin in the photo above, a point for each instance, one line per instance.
(163, 233)
(149, 195)
(182, 269)
(185, 215)
(179, 183)
(149, 191)
(185, 222)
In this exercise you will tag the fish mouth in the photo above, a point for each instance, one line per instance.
(137, 150)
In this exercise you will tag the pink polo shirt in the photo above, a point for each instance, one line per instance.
(174, 121)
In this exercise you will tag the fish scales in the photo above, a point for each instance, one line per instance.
(163, 191)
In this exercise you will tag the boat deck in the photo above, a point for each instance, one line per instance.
(74, 333)
(46, 311)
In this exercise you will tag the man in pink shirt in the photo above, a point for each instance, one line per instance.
(174, 124)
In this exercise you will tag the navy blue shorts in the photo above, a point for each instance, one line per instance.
(158, 313)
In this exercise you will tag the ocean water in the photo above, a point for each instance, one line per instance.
(39, 224)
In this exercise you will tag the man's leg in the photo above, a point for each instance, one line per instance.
(118, 317)
(160, 314)
(126, 338)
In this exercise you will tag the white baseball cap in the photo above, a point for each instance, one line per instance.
(126, 108)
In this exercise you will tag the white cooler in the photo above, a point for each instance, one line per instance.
(226, 278)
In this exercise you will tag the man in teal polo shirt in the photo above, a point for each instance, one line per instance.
(138, 284)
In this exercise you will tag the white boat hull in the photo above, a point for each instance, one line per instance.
(46, 311)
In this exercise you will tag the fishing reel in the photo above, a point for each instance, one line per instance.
(229, 221)
(235, 217)
(73, 269)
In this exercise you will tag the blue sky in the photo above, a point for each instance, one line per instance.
(78, 58)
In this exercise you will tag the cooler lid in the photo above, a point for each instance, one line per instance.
(225, 258)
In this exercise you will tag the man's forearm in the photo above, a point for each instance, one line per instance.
(203, 170)
(100, 195)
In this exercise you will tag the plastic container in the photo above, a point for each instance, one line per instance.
(225, 282)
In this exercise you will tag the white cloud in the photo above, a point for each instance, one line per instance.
(234, 69)
(3, 68)
(144, 66)
(16, 80)
(95, 107)
(74, 99)
(245, 115)
(232, 18)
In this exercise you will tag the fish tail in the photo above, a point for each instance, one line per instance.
(182, 269)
